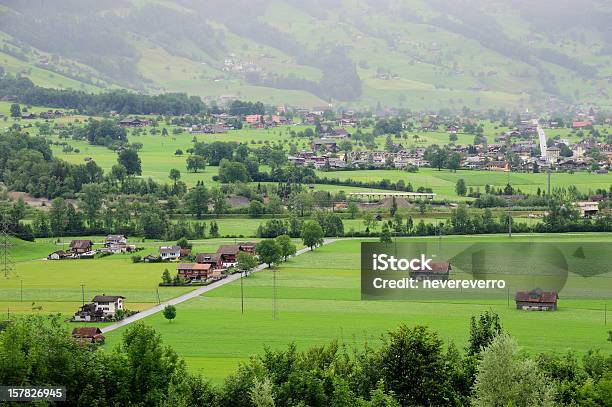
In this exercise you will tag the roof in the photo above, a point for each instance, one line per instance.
(581, 124)
(536, 296)
(170, 249)
(436, 268)
(86, 332)
(193, 266)
(81, 244)
(115, 237)
(323, 141)
(106, 298)
(228, 249)
(208, 257)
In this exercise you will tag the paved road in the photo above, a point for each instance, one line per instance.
(192, 294)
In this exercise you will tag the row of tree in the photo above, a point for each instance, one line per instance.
(409, 366)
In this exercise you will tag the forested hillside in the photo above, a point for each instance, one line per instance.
(407, 53)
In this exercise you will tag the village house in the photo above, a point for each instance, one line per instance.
(439, 271)
(324, 144)
(58, 255)
(81, 246)
(116, 244)
(214, 259)
(253, 118)
(100, 308)
(581, 124)
(588, 208)
(536, 300)
(170, 252)
(88, 334)
(134, 122)
(229, 253)
(194, 271)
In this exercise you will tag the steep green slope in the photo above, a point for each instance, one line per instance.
(409, 53)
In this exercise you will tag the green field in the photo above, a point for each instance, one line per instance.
(443, 182)
(56, 285)
(318, 299)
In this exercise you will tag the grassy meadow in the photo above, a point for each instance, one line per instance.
(318, 299)
(56, 285)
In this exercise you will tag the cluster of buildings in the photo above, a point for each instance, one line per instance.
(83, 248)
(207, 266)
(210, 266)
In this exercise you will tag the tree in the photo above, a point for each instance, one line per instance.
(195, 163)
(413, 365)
(246, 262)
(286, 245)
(166, 278)
(256, 209)
(436, 156)
(169, 312)
(453, 162)
(232, 171)
(269, 251)
(312, 234)
(130, 160)
(183, 243)
(91, 203)
(197, 200)
(174, 175)
(261, 394)
(58, 217)
(353, 209)
(460, 187)
(482, 331)
(218, 200)
(15, 110)
(385, 234)
(504, 378)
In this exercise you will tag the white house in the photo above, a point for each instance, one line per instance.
(108, 304)
(170, 252)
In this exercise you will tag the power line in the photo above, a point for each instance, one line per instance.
(8, 264)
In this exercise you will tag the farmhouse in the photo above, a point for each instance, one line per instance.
(100, 308)
(439, 271)
(587, 208)
(327, 145)
(58, 255)
(537, 300)
(88, 334)
(214, 259)
(194, 271)
(116, 244)
(170, 252)
(81, 246)
(228, 254)
(134, 123)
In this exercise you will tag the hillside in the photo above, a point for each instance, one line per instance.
(409, 53)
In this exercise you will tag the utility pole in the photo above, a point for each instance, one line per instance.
(274, 295)
(509, 199)
(241, 293)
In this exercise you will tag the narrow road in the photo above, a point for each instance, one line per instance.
(192, 294)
